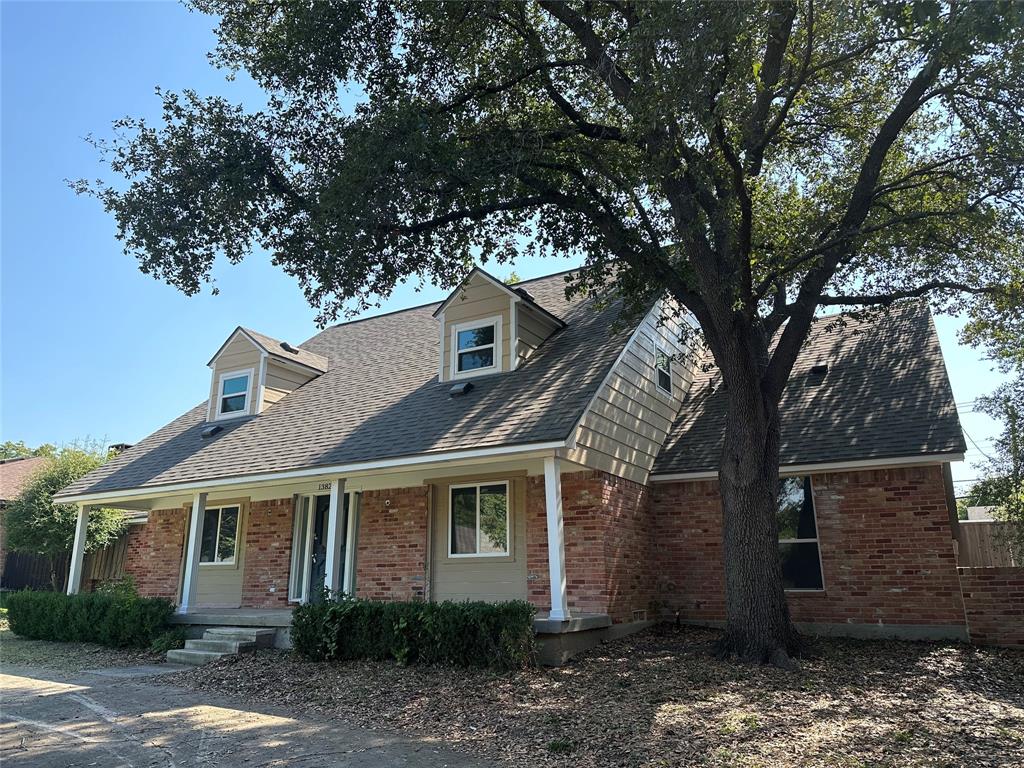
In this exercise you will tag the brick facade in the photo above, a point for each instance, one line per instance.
(994, 605)
(886, 545)
(153, 557)
(391, 552)
(268, 552)
(607, 544)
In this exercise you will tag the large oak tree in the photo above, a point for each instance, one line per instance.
(755, 161)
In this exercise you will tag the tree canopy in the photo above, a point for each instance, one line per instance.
(18, 450)
(755, 161)
(34, 523)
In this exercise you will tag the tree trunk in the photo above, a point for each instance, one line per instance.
(758, 626)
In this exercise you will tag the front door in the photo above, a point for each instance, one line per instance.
(309, 546)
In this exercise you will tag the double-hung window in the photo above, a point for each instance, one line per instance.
(478, 520)
(798, 535)
(233, 394)
(220, 535)
(663, 370)
(477, 347)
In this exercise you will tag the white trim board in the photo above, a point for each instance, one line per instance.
(525, 451)
(827, 466)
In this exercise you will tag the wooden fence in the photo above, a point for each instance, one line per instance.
(23, 570)
(981, 544)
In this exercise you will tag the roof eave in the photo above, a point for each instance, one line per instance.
(912, 460)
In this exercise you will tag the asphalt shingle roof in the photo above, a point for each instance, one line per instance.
(276, 348)
(381, 399)
(15, 474)
(885, 395)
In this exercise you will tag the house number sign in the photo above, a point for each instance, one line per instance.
(324, 486)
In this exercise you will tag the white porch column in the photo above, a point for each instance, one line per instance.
(349, 580)
(335, 564)
(192, 545)
(78, 550)
(556, 539)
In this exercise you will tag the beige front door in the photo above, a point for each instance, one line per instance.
(479, 540)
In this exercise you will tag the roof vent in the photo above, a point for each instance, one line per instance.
(460, 389)
(289, 348)
(210, 431)
(819, 370)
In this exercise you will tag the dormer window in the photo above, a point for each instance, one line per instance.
(663, 370)
(233, 400)
(477, 347)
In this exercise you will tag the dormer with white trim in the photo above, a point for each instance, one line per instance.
(252, 371)
(488, 327)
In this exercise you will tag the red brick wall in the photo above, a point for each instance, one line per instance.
(886, 548)
(391, 552)
(994, 604)
(607, 544)
(268, 551)
(153, 558)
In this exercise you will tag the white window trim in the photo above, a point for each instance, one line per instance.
(453, 363)
(238, 527)
(660, 350)
(816, 540)
(248, 393)
(508, 521)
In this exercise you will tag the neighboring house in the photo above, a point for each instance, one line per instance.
(19, 569)
(513, 443)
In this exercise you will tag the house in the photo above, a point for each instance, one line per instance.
(510, 442)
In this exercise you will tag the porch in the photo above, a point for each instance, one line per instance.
(244, 555)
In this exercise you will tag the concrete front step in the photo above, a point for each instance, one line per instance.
(221, 641)
(220, 645)
(262, 638)
(192, 656)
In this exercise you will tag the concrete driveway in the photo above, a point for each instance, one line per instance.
(115, 719)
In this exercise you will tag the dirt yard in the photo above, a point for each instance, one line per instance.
(68, 657)
(660, 699)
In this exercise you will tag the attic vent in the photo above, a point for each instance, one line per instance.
(211, 430)
(460, 389)
(524, 293)
(289, 348)
(819, 370)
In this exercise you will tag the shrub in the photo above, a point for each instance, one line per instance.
(496, 635)
(168, 641)
(116, 618)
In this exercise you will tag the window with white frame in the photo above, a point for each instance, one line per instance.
(220, 535)
(476, 346)
(233, 394)
(798, 535)
(663, 370)
(478, 520)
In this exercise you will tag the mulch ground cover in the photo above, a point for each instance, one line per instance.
(660, 698)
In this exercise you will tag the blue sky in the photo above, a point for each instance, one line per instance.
(91, 347)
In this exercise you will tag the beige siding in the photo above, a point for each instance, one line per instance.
(241, 354)
(279, 381)
(485, 578)
(628, 421)
(480, 299)
(532, 330)
(218, 585)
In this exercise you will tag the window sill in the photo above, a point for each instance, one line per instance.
(809, 592)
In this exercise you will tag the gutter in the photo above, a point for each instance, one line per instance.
(825, 466)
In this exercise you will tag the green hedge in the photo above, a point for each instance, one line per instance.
(115, 619)
(497, 635)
